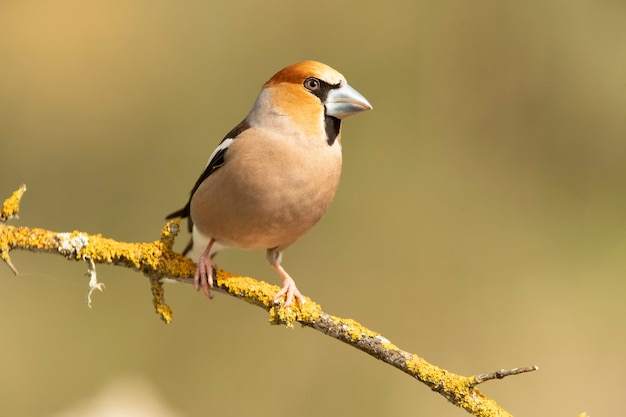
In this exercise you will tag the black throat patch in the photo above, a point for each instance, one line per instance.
(332, 126)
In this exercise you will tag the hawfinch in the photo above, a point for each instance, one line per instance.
(274, 175)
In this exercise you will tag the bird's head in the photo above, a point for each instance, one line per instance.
(318, 84)
(313, 96)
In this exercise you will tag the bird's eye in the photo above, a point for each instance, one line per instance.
(312, 84)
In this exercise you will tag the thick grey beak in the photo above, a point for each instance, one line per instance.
(344, 101)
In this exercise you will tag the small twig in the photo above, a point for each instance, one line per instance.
(93, 279)
(11, 205)
(158, 299)
(4, 255)
(10, 209)
(502, 373)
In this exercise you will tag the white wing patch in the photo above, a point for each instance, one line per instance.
(221, 147)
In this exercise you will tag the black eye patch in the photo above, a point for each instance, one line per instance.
(318, 87)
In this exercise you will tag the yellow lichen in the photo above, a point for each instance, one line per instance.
(434, 375)
(249, 289)
(355, 329)
(165, 312)
(309, 311)
(11, 206)
(458, 389)
(169, 233)
(388, 345)
(158, 300)
(261, 293)
(282, 315)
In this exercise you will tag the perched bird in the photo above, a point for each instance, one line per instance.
(274, 175)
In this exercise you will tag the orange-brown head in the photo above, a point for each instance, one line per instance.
(313, 95)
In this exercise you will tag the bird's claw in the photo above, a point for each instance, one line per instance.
(290, 291)
(203, 277)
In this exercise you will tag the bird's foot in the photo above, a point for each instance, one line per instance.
(289, 290)
(205, 270)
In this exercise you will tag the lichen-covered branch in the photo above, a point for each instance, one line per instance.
(157, 261)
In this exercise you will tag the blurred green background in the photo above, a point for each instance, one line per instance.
(481, 219)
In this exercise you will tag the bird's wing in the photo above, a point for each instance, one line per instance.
(215, 162)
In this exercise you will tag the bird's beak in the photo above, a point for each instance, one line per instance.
(344, 101)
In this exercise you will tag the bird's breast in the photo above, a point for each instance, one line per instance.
(269, 192)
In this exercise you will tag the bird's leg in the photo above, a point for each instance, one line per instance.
(289, 289)
(203, 276)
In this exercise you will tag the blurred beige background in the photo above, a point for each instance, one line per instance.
(481, 219)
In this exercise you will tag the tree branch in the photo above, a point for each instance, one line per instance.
(157, 261)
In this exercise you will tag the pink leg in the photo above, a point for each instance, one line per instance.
(204, 271)
(289, 289)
